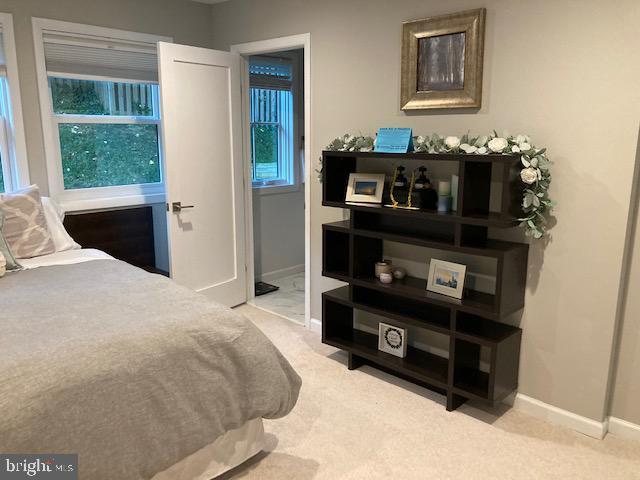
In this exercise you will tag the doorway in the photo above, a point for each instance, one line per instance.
(276, 139)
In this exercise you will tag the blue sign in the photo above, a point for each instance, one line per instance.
(394, 140)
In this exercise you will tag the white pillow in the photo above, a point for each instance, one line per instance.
(54, 215)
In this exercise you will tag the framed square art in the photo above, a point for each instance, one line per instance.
(446, 278)
(442, 61)
(365, 188)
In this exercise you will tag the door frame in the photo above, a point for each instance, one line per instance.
(245, 50)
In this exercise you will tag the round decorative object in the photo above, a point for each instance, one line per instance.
(393, 338)
(386, 277)
(399, 273)
(383, 267)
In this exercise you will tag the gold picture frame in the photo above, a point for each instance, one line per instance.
(442, 61)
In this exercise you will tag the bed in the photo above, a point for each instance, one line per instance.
(142, 378)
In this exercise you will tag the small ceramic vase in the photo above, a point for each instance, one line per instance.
(383, 267)
(399, 273)
(386, 277)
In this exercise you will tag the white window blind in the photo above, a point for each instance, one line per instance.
(82, 54)
(274, 73)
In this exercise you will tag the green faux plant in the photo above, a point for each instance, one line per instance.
(535, 173)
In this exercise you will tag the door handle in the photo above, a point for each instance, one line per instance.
(177, 207)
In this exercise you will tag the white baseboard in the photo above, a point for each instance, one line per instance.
(278, 274)
(315, 325)
(555, 415)
(624, 429)
(558, 416)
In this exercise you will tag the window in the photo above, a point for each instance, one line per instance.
(272, 121)
(107, 131)
(13, 169)
(5, 125)
(101, 116)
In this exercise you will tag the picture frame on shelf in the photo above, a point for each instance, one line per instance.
(446, 278)
(365, 188)
(442, 61)
(392, 339)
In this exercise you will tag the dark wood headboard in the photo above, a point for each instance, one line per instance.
(126, 234)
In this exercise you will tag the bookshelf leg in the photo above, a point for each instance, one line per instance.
(454, 401)
(355, 361)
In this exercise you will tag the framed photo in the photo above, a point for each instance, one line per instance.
(446, 278)
(392, 339)
(442, 61)
(365, 187)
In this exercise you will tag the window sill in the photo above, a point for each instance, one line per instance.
(70, 204)
(275, 189)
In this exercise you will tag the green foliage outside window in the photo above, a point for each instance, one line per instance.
(106, 154)
(102, 155)
(265, 151)
(90, 97)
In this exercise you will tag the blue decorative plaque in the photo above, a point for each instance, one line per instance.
(394, 140)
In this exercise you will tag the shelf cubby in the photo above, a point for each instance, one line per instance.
(483, 353)
(335, 254)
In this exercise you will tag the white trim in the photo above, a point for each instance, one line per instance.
(284, 272)
(253, 303)
(276, 189)
(624, 429)
(558, 416)
(90, 198)
(113, 202)
(315, 325)
(20, 164)
(94, 30)
(269, 46)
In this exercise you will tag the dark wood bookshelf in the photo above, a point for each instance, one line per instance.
(473, 324)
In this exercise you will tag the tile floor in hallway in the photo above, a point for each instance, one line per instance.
(288, 301)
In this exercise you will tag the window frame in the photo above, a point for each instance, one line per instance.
(95, 197)
(13, 146)
(294, 171)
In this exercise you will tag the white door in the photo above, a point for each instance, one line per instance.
(200, 95)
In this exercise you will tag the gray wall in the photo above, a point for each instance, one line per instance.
(626, 386)
(278, 231)
(187, 22)
(547, 75)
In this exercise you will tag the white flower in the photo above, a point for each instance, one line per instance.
(521, 139)
(497, 144)
(515, 149)
(529, 175)
(524, 147)
(482, 150)
(465, 147)
(452, 142)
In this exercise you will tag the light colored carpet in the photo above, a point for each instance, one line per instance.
(365, 424)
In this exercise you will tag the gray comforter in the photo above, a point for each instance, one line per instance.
(127, 369)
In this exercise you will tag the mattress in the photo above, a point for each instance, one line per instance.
(124, 365)
(227, 452)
